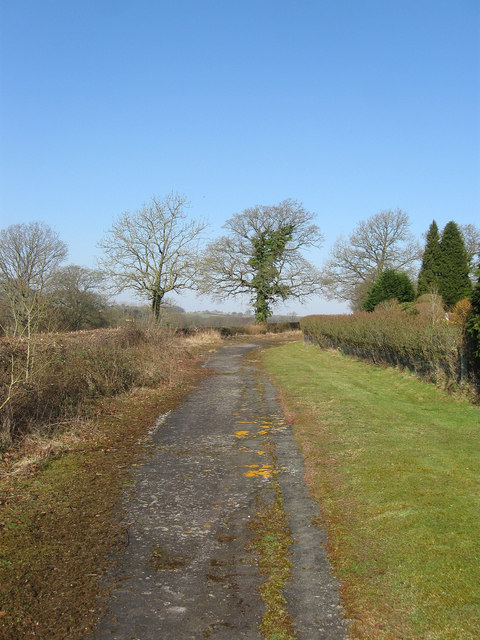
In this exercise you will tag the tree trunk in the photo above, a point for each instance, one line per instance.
(262, 309)
(157, 297)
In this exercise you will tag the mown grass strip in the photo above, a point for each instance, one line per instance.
(395, 463)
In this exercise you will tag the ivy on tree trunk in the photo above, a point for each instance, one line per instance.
(268, 251)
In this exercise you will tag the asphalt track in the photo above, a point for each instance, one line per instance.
(187, 571)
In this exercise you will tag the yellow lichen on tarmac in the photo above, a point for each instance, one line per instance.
(241, 434)
(266, 471)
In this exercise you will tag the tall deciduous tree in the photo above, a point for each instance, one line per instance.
(153, 251)
(77, 299)
(30, 255)
(389, 285)
(429, 276)
(454, 282)
(382, 242)
(261, 257)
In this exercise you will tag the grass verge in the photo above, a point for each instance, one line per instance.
(395, 464)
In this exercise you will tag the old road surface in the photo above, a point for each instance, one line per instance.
(188, 571)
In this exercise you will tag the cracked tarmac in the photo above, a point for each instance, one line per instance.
(187, 572)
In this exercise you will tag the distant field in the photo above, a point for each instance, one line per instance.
(395, 463)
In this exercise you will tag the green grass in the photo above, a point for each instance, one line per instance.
(395, 463)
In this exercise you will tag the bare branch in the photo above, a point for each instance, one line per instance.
(471, 236)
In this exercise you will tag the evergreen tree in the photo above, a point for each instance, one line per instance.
(473, 328)
(389, 284)
(429, 276)
(454, 282)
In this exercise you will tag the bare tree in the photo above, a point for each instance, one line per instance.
(153, 251)
(381, 242)
(471, 237)
(77, 298)
(261, 257)
(30, 255)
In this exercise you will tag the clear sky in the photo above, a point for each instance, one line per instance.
(349, 106)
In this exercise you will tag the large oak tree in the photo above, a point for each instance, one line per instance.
(261, 257)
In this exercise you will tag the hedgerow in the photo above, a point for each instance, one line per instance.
(433, 350)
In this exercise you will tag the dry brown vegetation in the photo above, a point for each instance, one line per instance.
(50, 383)
(89, 402)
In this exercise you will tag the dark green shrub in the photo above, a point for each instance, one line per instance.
(473, 329)
(390, 285)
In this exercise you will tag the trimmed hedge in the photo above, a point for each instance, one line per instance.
(392, 337)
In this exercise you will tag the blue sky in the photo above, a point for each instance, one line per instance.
(348, 106)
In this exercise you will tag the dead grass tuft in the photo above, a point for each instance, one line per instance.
(203, 337)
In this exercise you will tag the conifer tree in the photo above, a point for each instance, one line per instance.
(429, 276)
(454, 282)
(389, 284)
(473, 328)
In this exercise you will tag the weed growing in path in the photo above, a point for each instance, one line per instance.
(271, 544)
